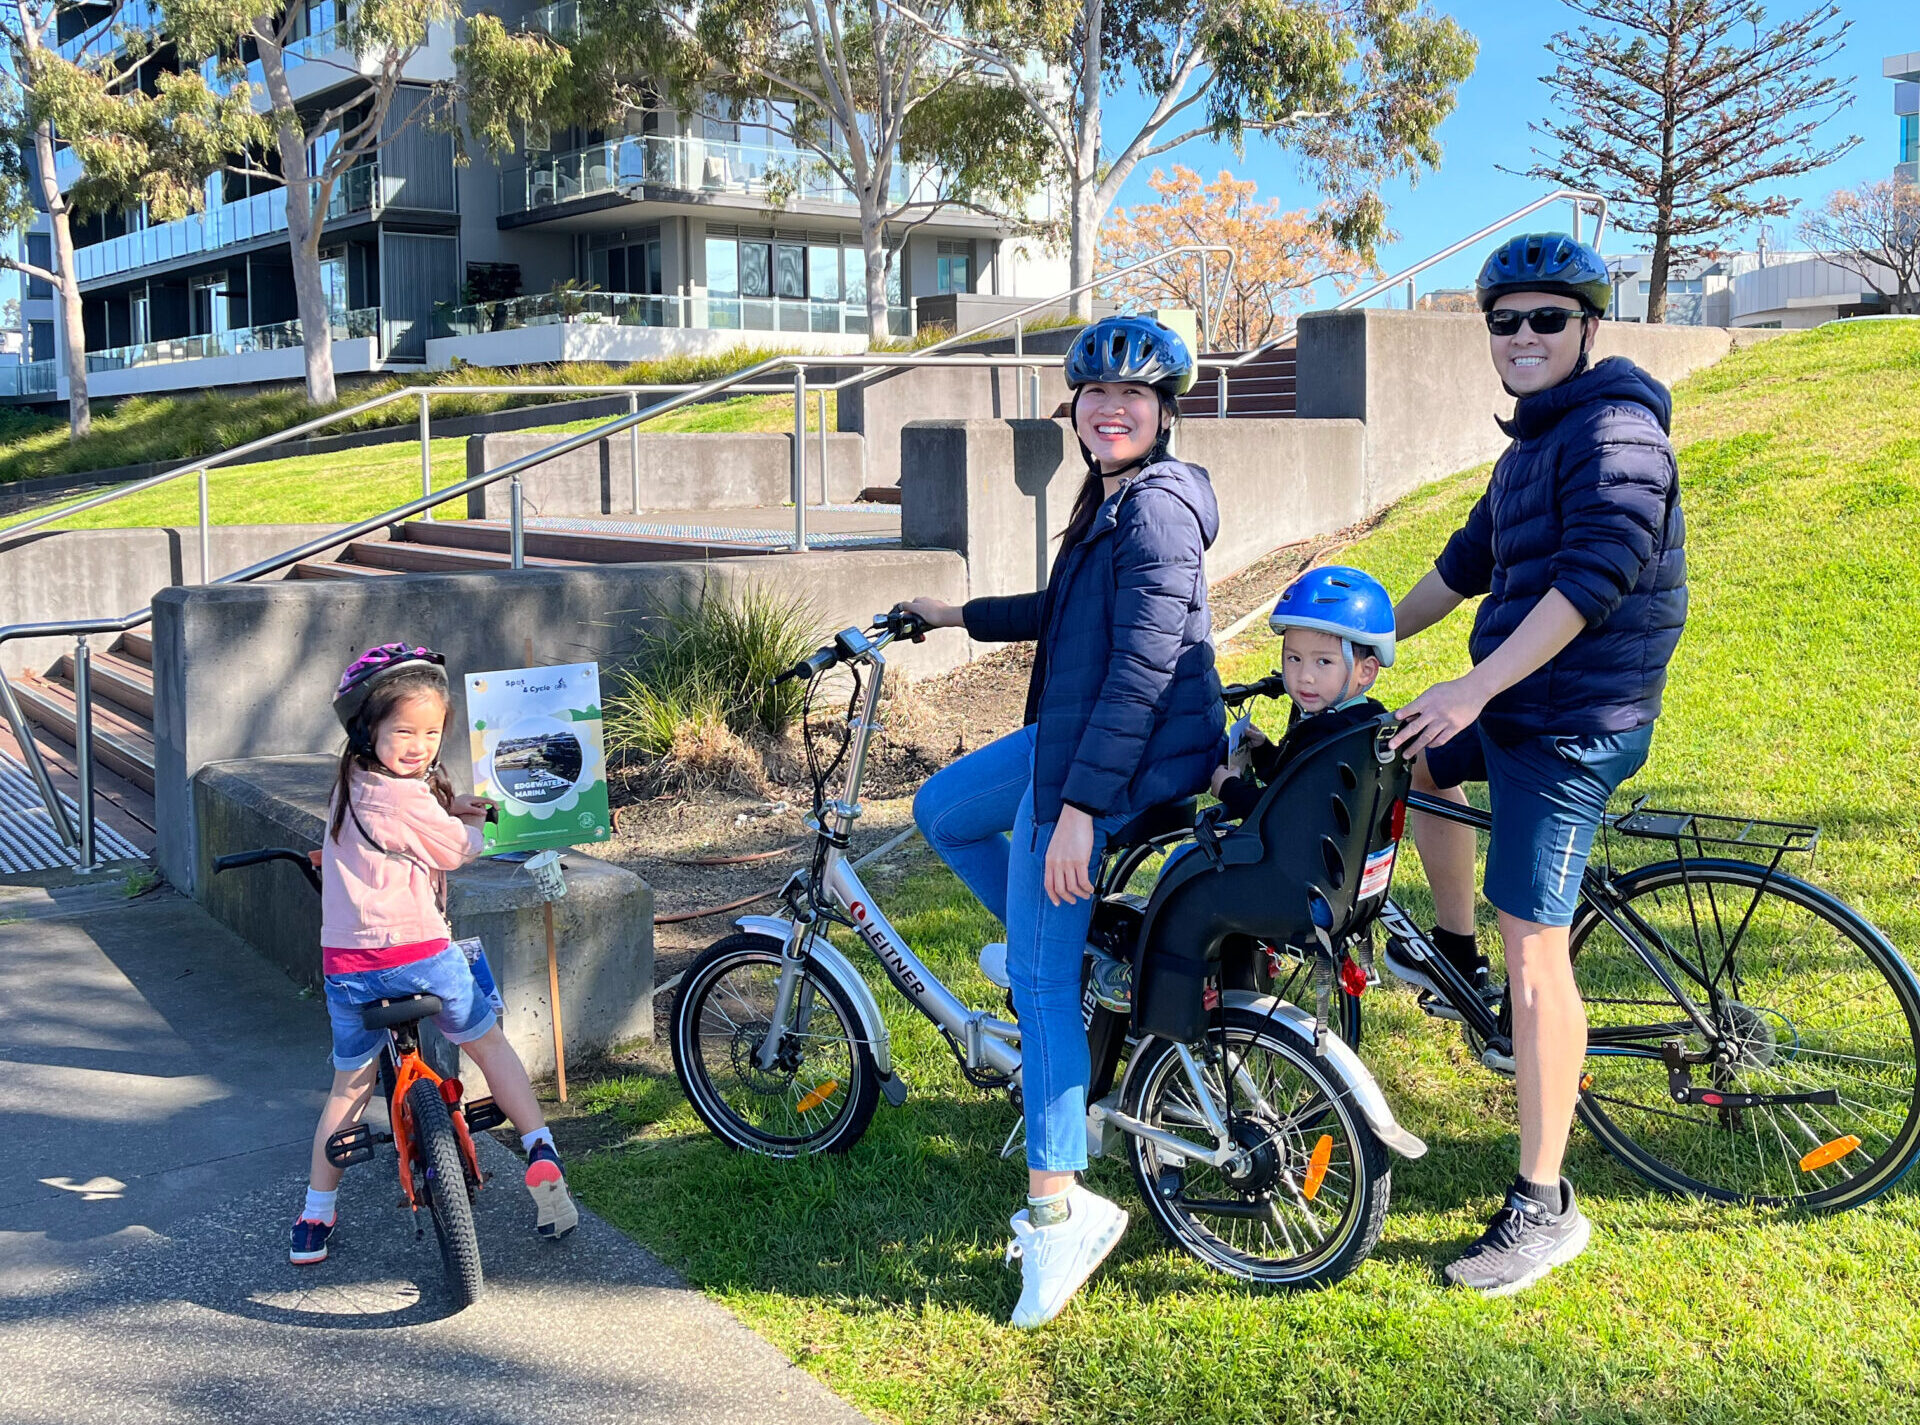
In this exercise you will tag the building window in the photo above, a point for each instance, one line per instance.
(953, 262)
(207, 301)
(823, 271)
(39, 341)
(723, 267)
(1678, 286)
(756, 269)
(40, 254)
(1909, 138)
(790, 270)
(140, 327)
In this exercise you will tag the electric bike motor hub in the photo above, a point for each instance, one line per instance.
(744, 1050)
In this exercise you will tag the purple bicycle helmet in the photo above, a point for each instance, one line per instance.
(375, 666)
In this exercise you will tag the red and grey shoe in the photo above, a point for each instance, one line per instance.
(309, 1242)
(558, 1216)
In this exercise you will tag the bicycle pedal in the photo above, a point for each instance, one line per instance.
(1500, 1063)
(1436, 1008)
(482, 1114)
(350, 1146)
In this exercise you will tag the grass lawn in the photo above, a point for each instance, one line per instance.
(353, 484)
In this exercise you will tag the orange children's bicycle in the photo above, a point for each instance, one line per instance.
(432, 1131)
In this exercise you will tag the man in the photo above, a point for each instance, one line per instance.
(1578, 546)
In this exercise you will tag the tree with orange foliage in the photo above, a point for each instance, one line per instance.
(1277, 255)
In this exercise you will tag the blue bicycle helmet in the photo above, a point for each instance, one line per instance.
(1350, 604)
(1131, 349)
(1546, 262)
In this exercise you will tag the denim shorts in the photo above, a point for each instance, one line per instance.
(464, 1017)
(1548, 795)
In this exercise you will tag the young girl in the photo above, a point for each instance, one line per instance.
(396, 828)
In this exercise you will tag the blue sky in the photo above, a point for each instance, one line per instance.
(1489, 128)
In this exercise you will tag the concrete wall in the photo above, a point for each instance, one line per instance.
(882, 408)
(1426, 388)
(603, 927)
(245, 671)
(1000, 492)
(677, 472)
(282, 364)
(105, 573)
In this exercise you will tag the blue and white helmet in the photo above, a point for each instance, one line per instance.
(1350, 604)
(1131, 349)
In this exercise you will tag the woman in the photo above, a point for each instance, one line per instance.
(1123, 712)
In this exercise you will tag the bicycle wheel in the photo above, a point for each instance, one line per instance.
(1306, 1202)
(441, 1177)
(1809, 1007)
(821, 1089)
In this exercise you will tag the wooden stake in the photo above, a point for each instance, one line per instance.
(553, 993)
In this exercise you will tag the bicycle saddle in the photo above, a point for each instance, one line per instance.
(407, 1009)
(1162, 820)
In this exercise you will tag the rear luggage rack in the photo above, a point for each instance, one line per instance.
(1704, 829)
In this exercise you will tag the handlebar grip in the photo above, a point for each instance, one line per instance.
(810, 667)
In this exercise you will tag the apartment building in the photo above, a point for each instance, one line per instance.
(670, 233)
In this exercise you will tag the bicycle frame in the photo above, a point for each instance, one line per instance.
(404, 1068)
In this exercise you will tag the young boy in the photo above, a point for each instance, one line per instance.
(1336, 627)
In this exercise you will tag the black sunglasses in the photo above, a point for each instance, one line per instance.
(1505, 321)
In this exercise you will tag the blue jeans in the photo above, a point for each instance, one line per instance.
(977, 813)
(465, 1015)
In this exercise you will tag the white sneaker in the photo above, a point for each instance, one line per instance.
(1055, 1260)
(993, 964)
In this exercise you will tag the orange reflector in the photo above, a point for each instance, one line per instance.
(1317, 1167)
(1586, 1083)
(1829, 1153)
(818, 1096)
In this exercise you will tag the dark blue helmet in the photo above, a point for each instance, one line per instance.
(1130, 349)
(1546, 262)
(1350, 604)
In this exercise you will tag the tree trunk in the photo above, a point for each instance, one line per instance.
(873, 242)
(1657, 275)
(1084, 222)
(303, 228)
(73, 328)
(1083, 248)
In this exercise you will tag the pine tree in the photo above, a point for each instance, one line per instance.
(1683, 113)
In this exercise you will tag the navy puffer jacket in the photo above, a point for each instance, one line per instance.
(1124, 692)
(1587, 501)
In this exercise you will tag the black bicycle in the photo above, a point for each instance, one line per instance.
(1752, 1038)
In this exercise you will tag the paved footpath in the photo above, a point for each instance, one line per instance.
(158, 1087)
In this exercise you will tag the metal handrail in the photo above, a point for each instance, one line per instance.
(1581, 202)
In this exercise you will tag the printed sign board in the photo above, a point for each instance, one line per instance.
(538, 751)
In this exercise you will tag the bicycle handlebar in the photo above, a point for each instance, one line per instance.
(853, 643)
(270, 853)
(1270, 686)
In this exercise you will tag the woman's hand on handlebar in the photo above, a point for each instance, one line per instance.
(934, 613)
(1069, 852)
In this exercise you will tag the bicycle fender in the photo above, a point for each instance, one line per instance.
(872, 1026)
(1346, 1064)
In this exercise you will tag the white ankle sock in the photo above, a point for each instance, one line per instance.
(539, 1135)
(319, 1207)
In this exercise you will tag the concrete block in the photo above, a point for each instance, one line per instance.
(603, 927)
(248, 670)
(678, 471)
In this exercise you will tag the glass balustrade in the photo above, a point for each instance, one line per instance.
(562, 21)
(358, 190)
(28, 378)
(274, 336)
(629, 309)
(691, 164)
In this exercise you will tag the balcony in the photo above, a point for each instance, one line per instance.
(277, 336)
(361, 190)
(99, 41)
(301, 51)
(694, 165)
(626, 309)
(28, 378)
(561, 21)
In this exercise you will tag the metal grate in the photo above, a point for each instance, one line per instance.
(771, 538)
(28, 841)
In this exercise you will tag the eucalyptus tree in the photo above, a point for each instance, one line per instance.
(1353, 90)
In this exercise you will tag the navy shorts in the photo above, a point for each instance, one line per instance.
(1548, 795)
(465, 1014)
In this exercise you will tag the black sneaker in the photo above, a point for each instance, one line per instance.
(309, 1244)
(1400, 960)
(1522, 1244)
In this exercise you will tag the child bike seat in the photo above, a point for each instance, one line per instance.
(408, 1009)
(1307, 840)
(1166, 819)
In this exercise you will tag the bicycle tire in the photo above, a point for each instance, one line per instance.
(1776, 1051)
(441, 1176)
(843, 1073)
(1358, 1159)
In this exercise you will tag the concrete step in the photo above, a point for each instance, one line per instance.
(122, 740)
(116, 680)
(407, 557)
(567, 546)
(320, 569)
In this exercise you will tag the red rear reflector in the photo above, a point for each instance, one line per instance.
(1828, 1154)
(450, 1091)
(1712, 1100)
(1397, 819)
(1353, 979)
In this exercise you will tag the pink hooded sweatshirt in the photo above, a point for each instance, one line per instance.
(381, 888)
